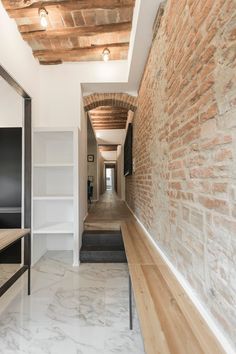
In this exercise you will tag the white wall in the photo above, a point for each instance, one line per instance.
(120, 172)
(101, 174)
(60, 89)
(16, 57)
(11, 106)
(60, 98)
(92, 167)
(83, 206)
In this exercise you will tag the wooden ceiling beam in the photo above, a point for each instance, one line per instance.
(109, 119)
(18, 8)
(108, 108)
(58, 33)
(112, 119)
(110, 123)
(77, 58)
(108, 147)
(76, 54)
(109, 114)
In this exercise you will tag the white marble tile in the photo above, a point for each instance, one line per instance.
(123, 341)
(82, 307)
(50, 338)
(71, 311)
(117, 276)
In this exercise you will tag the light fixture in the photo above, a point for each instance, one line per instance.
(43, 17)
(106, 54)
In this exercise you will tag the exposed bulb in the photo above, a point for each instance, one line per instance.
(43, 17)
(106, 54)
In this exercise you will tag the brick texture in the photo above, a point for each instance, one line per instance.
(184, 186)
(122, 100)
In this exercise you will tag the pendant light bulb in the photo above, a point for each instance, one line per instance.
(106, 54)
(43, 17)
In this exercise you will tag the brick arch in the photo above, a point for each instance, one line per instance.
(123, 100)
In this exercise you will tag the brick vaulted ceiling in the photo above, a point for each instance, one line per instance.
(78, 30)
(108, 117)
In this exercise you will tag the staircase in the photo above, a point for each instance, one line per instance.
(102, 246)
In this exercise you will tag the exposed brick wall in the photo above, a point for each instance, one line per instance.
(123, 100)
(184, 186)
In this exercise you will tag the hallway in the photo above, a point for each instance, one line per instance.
(107, 213)
(118, 176)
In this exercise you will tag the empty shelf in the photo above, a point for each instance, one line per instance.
(52, 197)
(55, 228)
(38, 165)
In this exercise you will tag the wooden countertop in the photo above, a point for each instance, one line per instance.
(170, 322)
(8, 236)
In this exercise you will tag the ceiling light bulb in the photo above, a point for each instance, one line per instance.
(43, 17)
(106, 54)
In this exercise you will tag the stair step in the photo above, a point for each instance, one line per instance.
(102, 246)
(102, 256)
(104, 237)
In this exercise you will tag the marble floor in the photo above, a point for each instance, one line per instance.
(80, 310)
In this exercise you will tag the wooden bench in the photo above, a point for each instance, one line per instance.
(7, 238)
(170, 322)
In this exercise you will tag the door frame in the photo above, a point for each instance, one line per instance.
(27, 124)
(111, 165)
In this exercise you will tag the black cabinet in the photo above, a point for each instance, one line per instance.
(11, 187)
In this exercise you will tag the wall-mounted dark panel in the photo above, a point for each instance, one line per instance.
(10, 167)
(128, 151)
(10, 220)
(10, 188)
(12, 254)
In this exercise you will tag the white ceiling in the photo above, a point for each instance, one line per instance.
(109, 155)
(140, 42)
(110, 136)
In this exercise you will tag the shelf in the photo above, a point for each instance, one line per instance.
(10, 210)
(55, 228)
(52, 165)
(56, 181)
(52, 197)
(55, 159)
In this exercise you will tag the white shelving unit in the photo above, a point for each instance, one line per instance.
(55, 192)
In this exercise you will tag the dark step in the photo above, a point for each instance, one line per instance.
(102, 238)
(105, 254)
